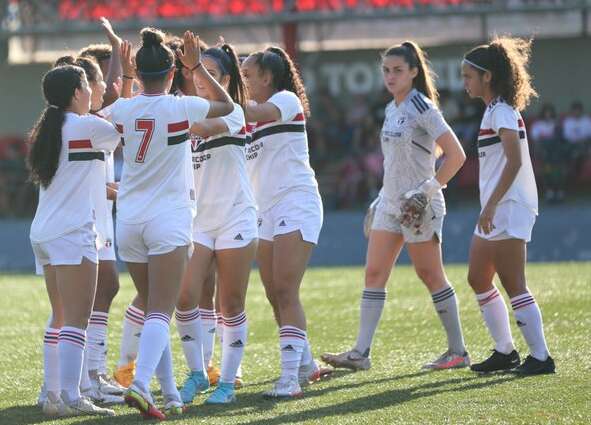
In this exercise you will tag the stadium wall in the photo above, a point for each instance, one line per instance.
(561, 75)
(342, 242)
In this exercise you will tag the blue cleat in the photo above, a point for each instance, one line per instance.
(223, 394)
(195, 383)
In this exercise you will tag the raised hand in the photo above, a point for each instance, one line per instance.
(114, 39)
(192, 55)
(127, 59)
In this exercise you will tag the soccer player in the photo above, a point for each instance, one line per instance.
(497, 73)
(225, 228)
(411, 206)
(67, 161)
(156, 199)
(290, 207)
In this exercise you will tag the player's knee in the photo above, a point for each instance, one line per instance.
(430, 277)
(285, 296)
(375, 276)
(476, 282)
(186, 301)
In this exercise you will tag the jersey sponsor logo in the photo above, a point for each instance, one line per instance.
(252, 150)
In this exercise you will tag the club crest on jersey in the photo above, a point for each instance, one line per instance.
(195, 140)
(108, 243)
(400, 121)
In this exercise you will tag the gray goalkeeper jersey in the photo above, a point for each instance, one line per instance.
(408, 144)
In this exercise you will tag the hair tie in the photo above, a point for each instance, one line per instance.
(49, 105)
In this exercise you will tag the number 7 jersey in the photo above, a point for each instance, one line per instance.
(157, 173)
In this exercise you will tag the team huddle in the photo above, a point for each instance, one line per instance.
(216, 175)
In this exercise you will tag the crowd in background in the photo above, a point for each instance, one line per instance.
(346, 155)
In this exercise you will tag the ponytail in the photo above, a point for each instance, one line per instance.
(226, 58)
(507, 59)
(45, 139)
(416, 57)
(284, 72)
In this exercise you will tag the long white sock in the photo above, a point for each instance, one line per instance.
(155, 337)
(133, 324)
(96, 344)
(71, 353)
(495, 314)
(307, 357)
(85, 382)
(51, 360)
(291, 343)
(165, 374)
(529, 319)
(208, 327)
(446, 305)
(188, 324)
(372, 305)
(234, 340)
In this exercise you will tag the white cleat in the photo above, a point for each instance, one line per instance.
(449, 360)
(98, 397)
(53, 405)
(353, 360)
(84, 406)
(107, 385)
(285, 388)
(312, 372)
(173, 405)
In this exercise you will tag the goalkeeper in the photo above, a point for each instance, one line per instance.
(411, 206)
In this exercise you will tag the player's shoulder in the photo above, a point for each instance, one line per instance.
(420, 103)
(500, 106)
(285, 97)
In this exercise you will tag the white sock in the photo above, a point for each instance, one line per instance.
(234, 340)
(188, 324)
(96, 344)
(219, 327)
(155, 337)
(165, 374)
(529, 319)
(496, 317)
(372, 304)
(51, 360)
(71, 353)
(85, 382)
(446, 305)
(307, 357)
(130, 335)
(291, 343)
(208, 325)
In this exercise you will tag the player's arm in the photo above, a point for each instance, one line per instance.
(209, 127)
(128, 69)
(112, 189)
(264, 112)
(221, 103)
(510, 141)
(114, 74)
(454, 157)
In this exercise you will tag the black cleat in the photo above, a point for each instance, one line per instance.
(498, 362)
(533, 366)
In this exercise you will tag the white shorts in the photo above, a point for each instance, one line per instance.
(237, 234)
(431, 226)
(107, 252)
(512, 220)
(296, 211)
(68, 249)
(161, 235)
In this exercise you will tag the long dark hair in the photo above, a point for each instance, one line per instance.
(416, 57)
(284, 72)
(154, 59)
(227, 60)
(89, 65)
(507, 59)
(45, 139)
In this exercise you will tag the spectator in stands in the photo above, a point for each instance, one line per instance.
(550, 153)
(576, 130)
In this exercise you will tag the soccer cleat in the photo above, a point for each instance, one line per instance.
(223, 394)
(497, 362)
(173, 406)
(98, 397)
(312, 372)
(108, 385)
(285, 388)
(136, 398)
(84, 406)
(449, 360)
(124, 374)
(42, 395)
(353, 360)
(52, 405)
(195, 383)
(213, 374)
(533, 366)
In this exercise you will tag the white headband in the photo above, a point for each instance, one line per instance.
(475, 66)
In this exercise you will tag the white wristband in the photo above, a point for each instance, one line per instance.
(430, 187)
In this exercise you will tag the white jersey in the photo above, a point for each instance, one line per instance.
(73, 198)
(104, 220)
(221, 180)
(277, 155)
(492, 157)
(157, 174)
(408, 144)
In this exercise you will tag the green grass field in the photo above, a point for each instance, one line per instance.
(393, 391)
